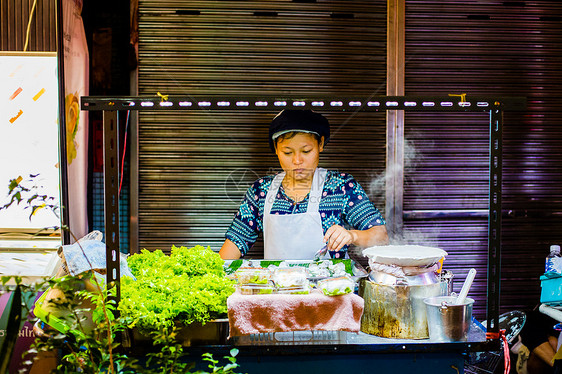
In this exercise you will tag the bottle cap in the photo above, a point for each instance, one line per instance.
(555, 248)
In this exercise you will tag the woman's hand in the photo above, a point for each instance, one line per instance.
(336, 237)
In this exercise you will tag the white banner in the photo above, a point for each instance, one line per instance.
(76, 83)
(29, 136)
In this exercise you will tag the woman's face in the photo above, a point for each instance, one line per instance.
(299, 155)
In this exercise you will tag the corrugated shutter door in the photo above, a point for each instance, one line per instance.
(491, 48)
(14, 18)
(194, 167)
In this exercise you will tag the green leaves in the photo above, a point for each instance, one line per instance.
(216, 368)
(95, 350)
(89, 342)
(30, 192)
(188, 286)
(14, 183)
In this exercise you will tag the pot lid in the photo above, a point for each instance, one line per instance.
(404, 255)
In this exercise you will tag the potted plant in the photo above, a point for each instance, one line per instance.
(92, 321)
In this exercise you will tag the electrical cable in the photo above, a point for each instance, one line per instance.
(29, 25)
(507, 360)
(124, 150)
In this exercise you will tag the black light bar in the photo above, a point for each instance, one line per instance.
(371, 104)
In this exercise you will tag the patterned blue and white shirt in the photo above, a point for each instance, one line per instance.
(344, 203)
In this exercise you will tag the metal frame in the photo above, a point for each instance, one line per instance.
(64, 206)
(111, 195)
(438, 103)
(395, 78)
(494, 105)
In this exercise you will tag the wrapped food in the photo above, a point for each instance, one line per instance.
(336, 286)
(303, 289)
(317, 271)
(257, 289)
(290, 277)
(253, 275)
(337, 269)
(90, 254)
(327, 268)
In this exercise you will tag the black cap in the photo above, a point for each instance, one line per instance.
(298, 120)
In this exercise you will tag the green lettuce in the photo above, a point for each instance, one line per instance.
(188, 286)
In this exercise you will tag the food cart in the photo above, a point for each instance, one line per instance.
(329, 351)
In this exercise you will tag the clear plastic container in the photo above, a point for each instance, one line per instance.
(253, 275)
(290, 277)
(256, 289)
(336, 286)
(303, 289)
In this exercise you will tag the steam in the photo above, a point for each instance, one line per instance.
(377, 191)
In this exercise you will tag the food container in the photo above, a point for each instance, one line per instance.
(290, 277)
(55, 309)
(249, 275)
(256, 289)
(303, 289)
(326, 269)
(397, 310)
(336, 286)
(447, 321)
(316, 270)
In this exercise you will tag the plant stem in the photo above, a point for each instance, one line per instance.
(108, 321)
(88, 347)
(76, 357)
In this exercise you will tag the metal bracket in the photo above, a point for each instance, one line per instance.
(111, 192)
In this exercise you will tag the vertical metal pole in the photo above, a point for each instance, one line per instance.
(134, 182)
(494, 220)
(65, 218)
(134, 171)
(111, 189)
(395, 118)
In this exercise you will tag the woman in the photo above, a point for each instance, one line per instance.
(304, 208)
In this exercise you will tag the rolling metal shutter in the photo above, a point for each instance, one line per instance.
(501, 48)
(14, 17)
(194, 167)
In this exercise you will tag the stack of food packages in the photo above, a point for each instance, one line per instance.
(252, 281)
(332, 279)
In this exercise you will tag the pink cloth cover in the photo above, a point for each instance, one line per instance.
(253, 314)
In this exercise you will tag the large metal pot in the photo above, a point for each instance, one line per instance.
(397, 310)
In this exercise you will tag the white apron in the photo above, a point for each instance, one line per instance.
(294, 236)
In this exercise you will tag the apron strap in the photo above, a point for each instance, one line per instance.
(272, 192)
(316, 190)
(314, 196)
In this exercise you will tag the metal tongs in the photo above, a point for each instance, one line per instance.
(321, 252)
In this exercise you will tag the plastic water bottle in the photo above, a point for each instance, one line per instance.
(553, 262)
